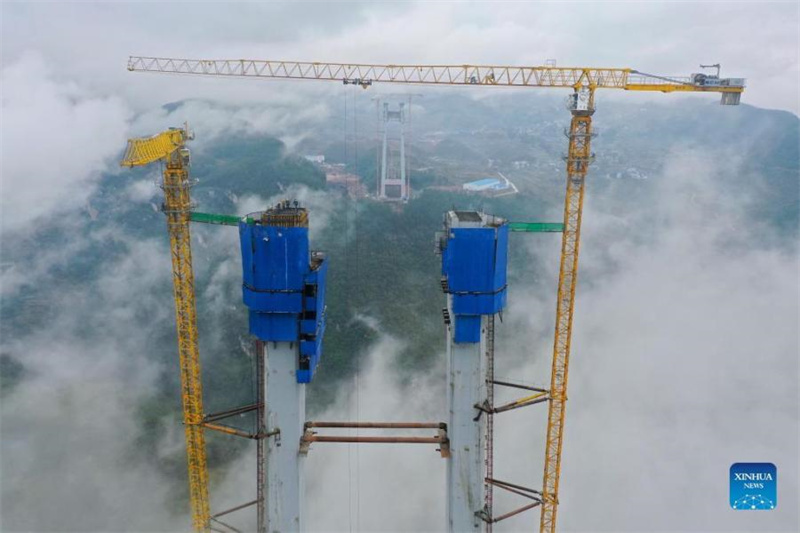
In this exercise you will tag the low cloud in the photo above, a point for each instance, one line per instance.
(684, 360)
(685, 350)
(57, 140)
(70, 424)
(144, 190)
(367, 487)
(289, 118)
(60, 137)
(380, 487)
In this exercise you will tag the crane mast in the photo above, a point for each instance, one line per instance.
(169, 147)
(578, 158)
(583, 81)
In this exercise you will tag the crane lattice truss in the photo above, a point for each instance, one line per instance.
(169, 148)
(578, 158)
(582, 80)
(493, 75)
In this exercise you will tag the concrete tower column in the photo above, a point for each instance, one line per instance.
(466, 388)
(284, 287)
(474, 248)
(286, 413)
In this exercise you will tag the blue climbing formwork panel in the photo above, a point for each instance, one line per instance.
(474, 265)
(284, 283)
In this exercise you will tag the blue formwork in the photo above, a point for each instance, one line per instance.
(284, 288)
(474, 265)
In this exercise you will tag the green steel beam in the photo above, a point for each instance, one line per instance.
(232, 220)
(538, 227)
(222, 220)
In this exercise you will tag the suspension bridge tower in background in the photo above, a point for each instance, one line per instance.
(393, 181)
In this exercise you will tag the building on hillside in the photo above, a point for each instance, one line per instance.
(486, 185)
(338, 178)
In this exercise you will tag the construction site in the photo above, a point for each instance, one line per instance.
(399, 266)
(284, 284)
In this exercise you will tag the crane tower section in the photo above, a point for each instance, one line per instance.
(284, 289)
(393, 182)
(169, 147)
(579, 155)
(474, 248)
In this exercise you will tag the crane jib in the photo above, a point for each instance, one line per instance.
(481, 75)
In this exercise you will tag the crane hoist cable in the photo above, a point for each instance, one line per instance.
(582, 81)
(357, 182)
(352, 182)
(351, 264)
(348, 303)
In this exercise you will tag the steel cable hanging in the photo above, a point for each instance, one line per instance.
(357, 277)
(348, 286)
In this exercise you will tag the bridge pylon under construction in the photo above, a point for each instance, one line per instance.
(284, 289)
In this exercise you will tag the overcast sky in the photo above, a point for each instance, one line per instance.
(89, 42)
(65, 84)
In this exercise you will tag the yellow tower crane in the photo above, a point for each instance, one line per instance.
(583, 81)
(169, 147)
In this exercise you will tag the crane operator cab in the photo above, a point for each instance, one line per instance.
(713, 80)
(580, 102)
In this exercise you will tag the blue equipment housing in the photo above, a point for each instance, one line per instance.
(474, 268)
(284, 283)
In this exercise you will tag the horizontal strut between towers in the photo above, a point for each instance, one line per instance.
(441, 438)
(378, 425)
(361, 438)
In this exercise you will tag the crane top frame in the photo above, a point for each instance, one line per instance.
(488, 75)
